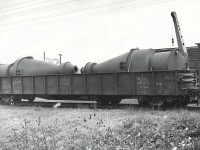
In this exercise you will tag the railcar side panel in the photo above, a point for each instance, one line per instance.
(39, 85)
(51, 85)
(124, 83)
(64, 84)
(27, 83)
(165, 83)
(17, 85)
(108, 84)
(92, 84)
(144, 83)
(77, 84)
(6, 85)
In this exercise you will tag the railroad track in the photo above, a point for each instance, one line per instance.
(85, 104)
(72, 104)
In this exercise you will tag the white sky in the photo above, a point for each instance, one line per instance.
(83, 30)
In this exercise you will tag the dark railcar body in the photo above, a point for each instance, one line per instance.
(151, 86)
(127, 84)
(194, 56)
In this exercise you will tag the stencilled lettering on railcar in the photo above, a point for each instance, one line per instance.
(5, 86)
(143, 82)
(159, 87)
(165, 84)
(17, 83)
(65, 81)
(169, 83)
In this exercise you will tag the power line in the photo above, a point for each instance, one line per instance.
(79, 10)
(22, 3)
(16, 4)
(45, 8)
(25, 12)
(99, 13)
(72, 18)
(50, 16)
(121, 8)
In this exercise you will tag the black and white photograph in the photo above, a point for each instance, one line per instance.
(99, 74)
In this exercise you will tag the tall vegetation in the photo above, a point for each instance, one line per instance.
(135, 129)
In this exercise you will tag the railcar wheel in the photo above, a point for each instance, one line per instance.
(186, 101)
(182, 101)
(157, 101)
(108, 100)
(143, 101)
(17, 99)
(102, 100)
(115, 101)
(31, 99)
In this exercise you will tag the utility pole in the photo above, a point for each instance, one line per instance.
(60, 57)
(44, 56)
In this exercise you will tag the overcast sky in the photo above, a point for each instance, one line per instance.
(92, 30)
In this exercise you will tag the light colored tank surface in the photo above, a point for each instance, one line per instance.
(3, 70)
(134, 61)
(170, 60)
(112, 65)
(88, 68)
(67, 67)
(141, 60)
(159, 61)
(30, 66)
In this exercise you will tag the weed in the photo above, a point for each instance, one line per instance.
(37, 138)
(83, 106)
(147, 132)
(140, 129)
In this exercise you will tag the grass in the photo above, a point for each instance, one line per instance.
(35, 128)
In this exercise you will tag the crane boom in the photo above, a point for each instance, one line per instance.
(179, 37)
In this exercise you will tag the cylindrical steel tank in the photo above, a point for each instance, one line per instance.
(141, 60)
(170, 60)
(88, 68)
(4, 70)
(67, 67)
(135, 61)
(30, 66)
